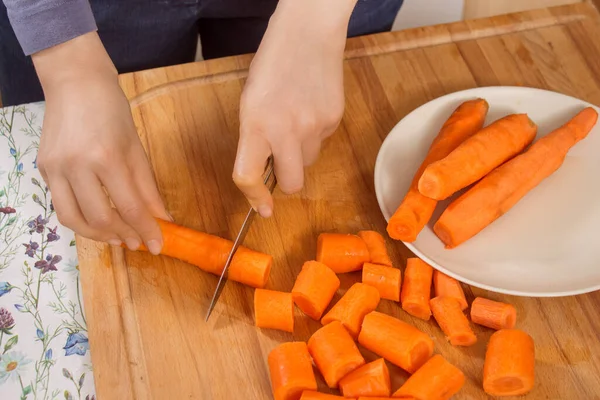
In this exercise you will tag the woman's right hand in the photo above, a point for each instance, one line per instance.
(90, 154)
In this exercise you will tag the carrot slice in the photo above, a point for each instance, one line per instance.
(210, 253)
(416, 290)
(449, 316)
(446, 286)
(493, 314)
(377, 249)
(385, 279)
(415, 210)
(314, 288)
(274, 310)
(398, 342)
(334, 352)
(291, 371)
(477, 156)
(342, 253)
(509, 368)
(437, 379)
(310, 395)
(372, 379)
(502, 188)
(357, 302)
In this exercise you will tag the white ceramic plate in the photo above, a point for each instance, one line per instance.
(549, 243)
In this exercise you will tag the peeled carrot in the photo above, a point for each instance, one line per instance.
(477, 156)
(310, 395)
(509, 368)
(334, 352)
(398, 342)
(437, 379)
(449, 316)
(210, 253)
(502, 188)
(372, 379)
(274, 310)
(377, 249)
(493, 314)
(291, 371)
(416, 290)
(342, 253)
(446, 286)
(385, 279)
(357, 302)
(415, 210)
(314, 288)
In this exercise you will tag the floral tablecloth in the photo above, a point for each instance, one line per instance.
(44, 351)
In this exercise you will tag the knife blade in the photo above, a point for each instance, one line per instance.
(270, 183)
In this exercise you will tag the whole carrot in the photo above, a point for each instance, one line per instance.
(314, 288)
(437, 379)
(493, 314)
(372, 379)
(291, 371)
(477, 156)
(416, 290)
(446, 286)
(342, 253)
(377, 249)
(449, 316)
(416, 210)
(273, 310)
(502, 188)
(387, 280)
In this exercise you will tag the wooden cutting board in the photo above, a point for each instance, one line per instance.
(146, 314)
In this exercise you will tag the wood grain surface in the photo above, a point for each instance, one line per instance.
(146, 314)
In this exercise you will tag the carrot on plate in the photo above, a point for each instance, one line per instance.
(314, 288)
(502, 188)
(415, 210)
(437, 379)
(416, 289)
(387, 280)
(477, 156)
(334, 352)
(377, 249)
(446, 286)
(452, 320)
(342, 252)
(372, 379)
(291, 371)
(312, 395)
(398, 342)
(509, 367)
(493, 314)
(210, 253)
(273, 310)
(350, 310)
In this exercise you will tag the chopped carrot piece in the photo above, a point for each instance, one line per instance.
(334, 352)
(372, 379)
(357, 302)
(377, 249)
(398, 342)
(449, 316)
(273, 310)
(291, 371)
(386, 280)
(342, 253)
(315, 286)
(493, 314)
(446, 286)
(437, 379)
(311, 395)
(509, 368)
(416, 290)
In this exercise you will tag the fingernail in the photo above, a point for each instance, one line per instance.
(132, 244)
(115, 242)
(154, 246)
(265, 210)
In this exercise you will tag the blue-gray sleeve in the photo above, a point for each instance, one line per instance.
(40, 24)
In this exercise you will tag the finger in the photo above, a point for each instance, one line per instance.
(252, 154)
(146, 185)
(289, 166)
(310, 151)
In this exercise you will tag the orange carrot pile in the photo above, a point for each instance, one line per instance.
(372, 379)
(396, 341)
(357, 302)
(334, 352)
(416, 290)
(274, 310)
(314, 288)
(291, 371)
(377, 249)
(493, 314)
(502, 188)
(477, 156)
(446, 286)
(311, 395)
(386, 280)
(415, 210)
(342, 253)
(509, 368)
(437, 379)
(449, 316)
